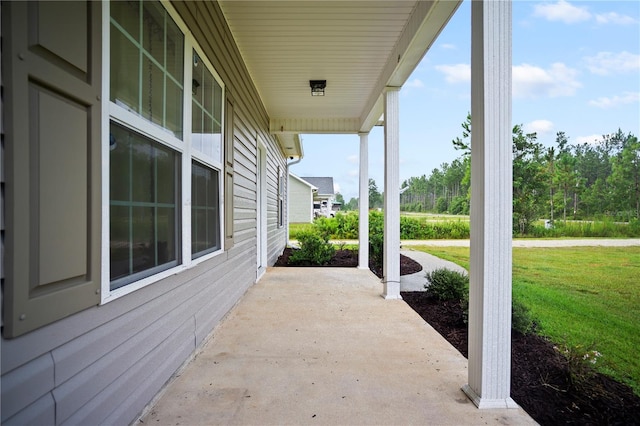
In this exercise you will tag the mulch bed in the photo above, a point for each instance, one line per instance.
(349, 259)
(540, 379)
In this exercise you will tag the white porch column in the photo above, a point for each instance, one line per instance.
(391, 258)
(363, 203)
(491, 206)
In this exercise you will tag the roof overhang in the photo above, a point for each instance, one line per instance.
(359, 48)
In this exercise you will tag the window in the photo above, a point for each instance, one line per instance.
(143, 207)
(153, 145)
(205, 211)
(206, 143)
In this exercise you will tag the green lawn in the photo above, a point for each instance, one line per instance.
(581, 296)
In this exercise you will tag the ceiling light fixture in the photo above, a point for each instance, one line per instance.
(317, 87)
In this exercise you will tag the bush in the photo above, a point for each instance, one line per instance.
(521, 320)
(459, 205)
(445, 284)
(347, 226)
(314, 250)
(442, 205)
(325, 227)
(376, 237)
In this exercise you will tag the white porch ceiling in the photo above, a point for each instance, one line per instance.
(359, 47)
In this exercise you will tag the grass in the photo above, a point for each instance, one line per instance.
(436, 217)
(296, 228)
(583, 297)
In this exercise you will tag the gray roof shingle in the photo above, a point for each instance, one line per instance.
(324, 184)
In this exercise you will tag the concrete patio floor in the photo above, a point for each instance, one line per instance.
(321, 346)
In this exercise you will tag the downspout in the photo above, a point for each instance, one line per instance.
(287, 222)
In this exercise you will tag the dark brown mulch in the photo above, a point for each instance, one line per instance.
(540, 380)
(349, 259)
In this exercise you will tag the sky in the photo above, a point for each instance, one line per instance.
(576, 69)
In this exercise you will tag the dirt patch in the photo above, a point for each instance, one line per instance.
(540, 379)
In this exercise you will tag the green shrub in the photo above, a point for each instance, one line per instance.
(296, 228)
(347, 226)
(445, 284)
(376, 238)
(521, 320)
(442, 205)
(326, 227)
(314, 250)
(459, 205)
(409, 228)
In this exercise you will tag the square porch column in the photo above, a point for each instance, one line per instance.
(491, 206)
(363, 204)
(391, 259)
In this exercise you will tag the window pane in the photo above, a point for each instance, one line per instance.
(207, 91)
(143, 238)
(127, 14)
(120, 242)
(125, 59)
(173, 117)
(166, 178)
(207, 111)
(142, 170)
(119, 165)
(152, 92)
(144, 222)
(196, 123)
(205, 212)
(153, 30)
(175, 50)
(166, 235)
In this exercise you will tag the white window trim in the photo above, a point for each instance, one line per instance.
(118, 114)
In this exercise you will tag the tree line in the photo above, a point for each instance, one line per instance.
(565, 181)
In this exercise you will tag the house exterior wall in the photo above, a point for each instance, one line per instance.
(104, 364)
(300, 202)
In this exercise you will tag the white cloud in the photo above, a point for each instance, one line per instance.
(416, 83)
(591, 139)
(353, 159)
(561, 11)
(353, 173)
(448, 46)
(533, 82)
(606, 63)
(336, 187)
(541, 127)
(615, 18)
(458, 73)
(626, 98)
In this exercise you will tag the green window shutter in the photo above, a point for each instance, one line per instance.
(228, 173)
(52, 80)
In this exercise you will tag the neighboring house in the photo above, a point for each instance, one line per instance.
(301, 195)
(326, 191)
(310, 197)
(144, 169)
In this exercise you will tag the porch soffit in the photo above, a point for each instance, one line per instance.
(359, 47)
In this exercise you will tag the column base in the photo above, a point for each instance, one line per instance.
(391, 290)
(485, 403)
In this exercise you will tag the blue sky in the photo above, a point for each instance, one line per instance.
(576, 69)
